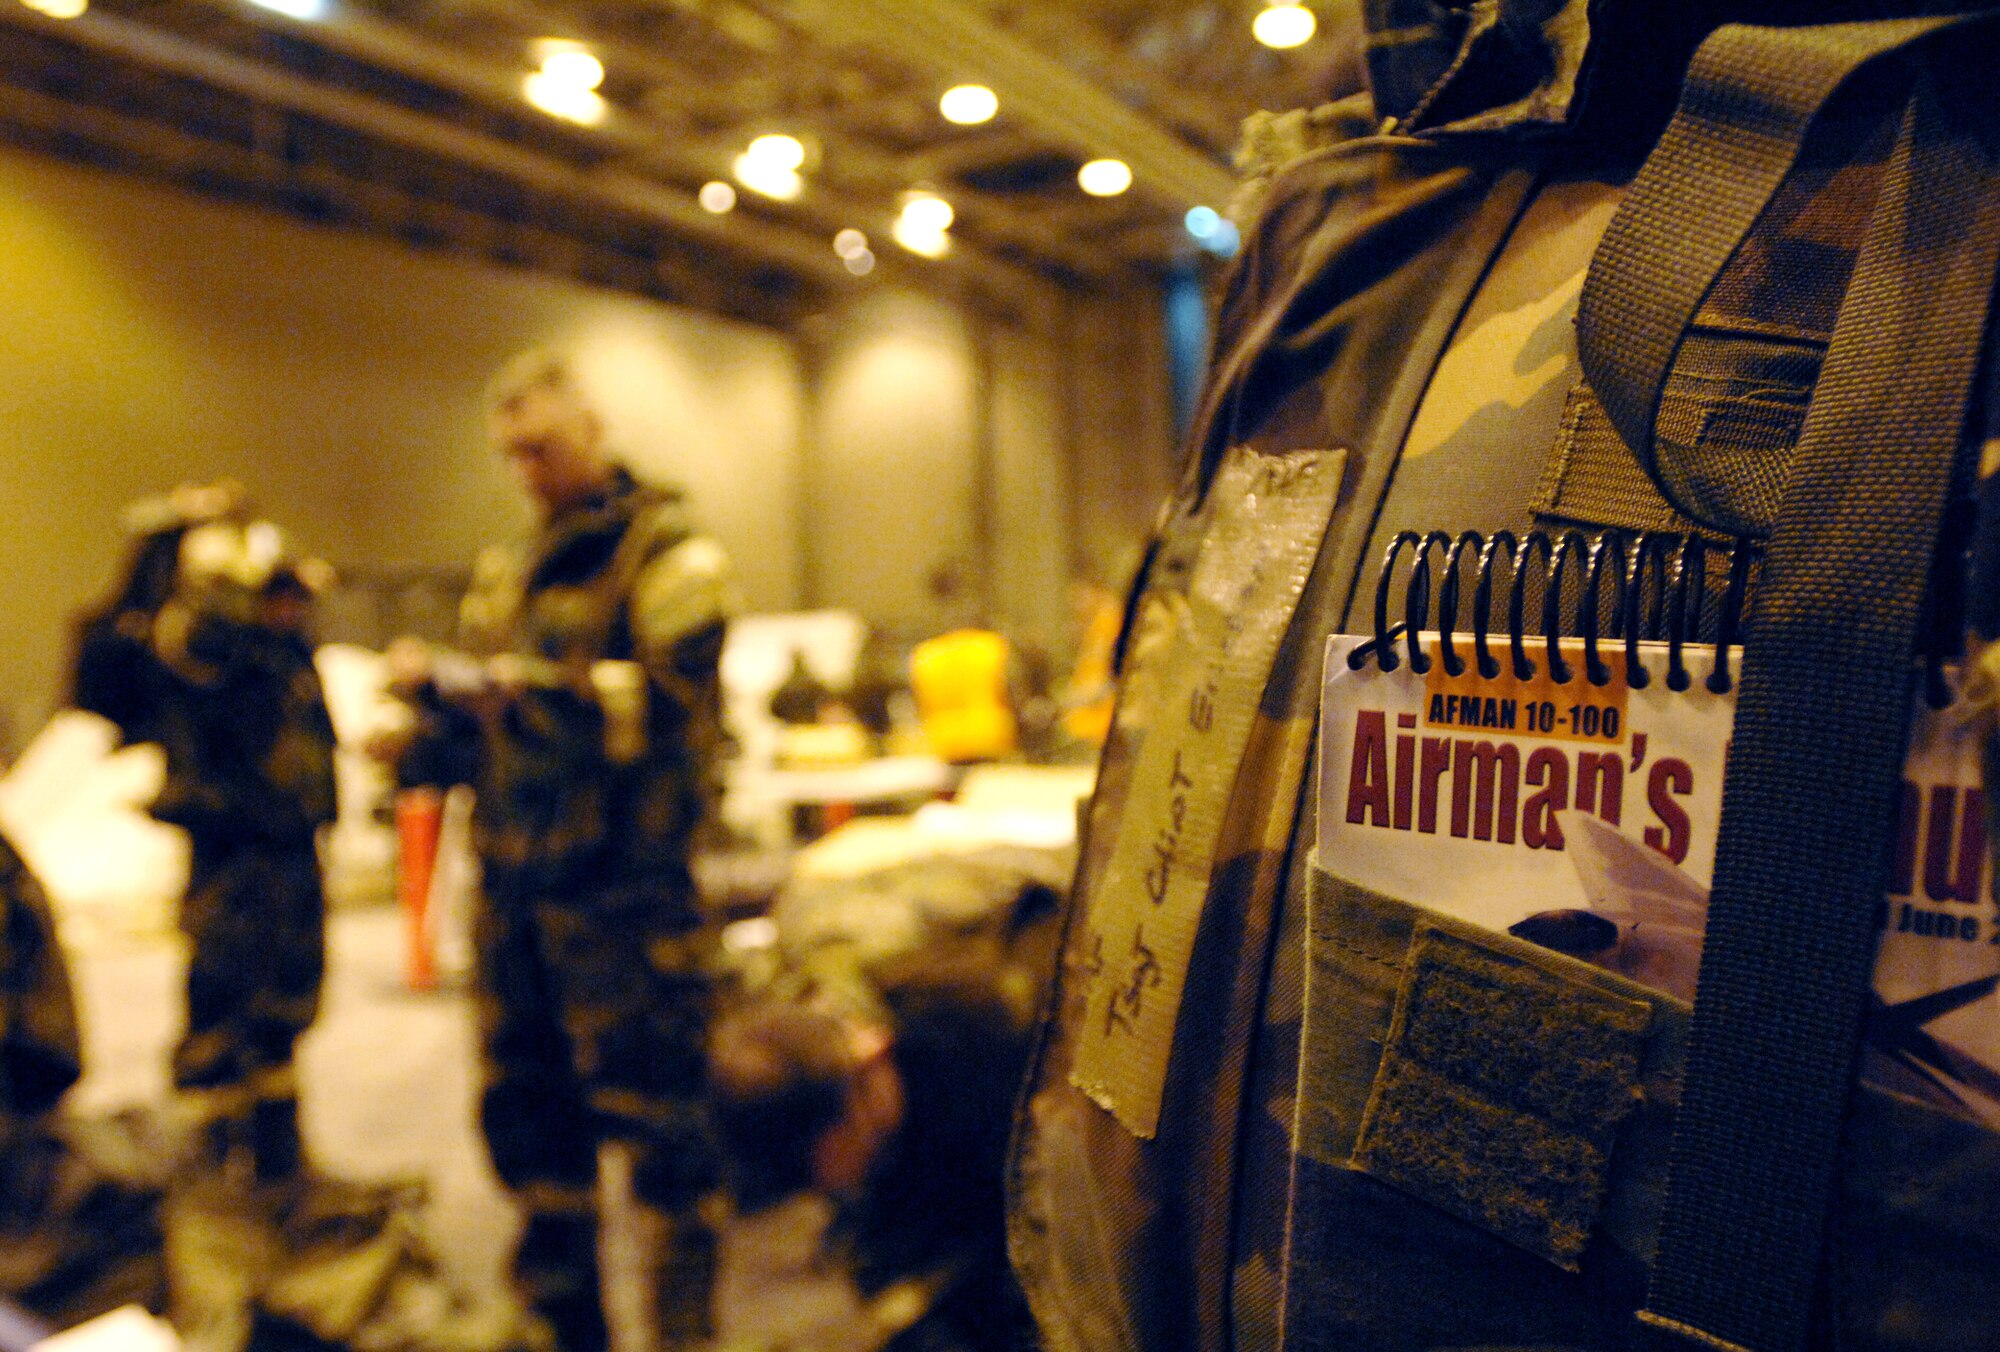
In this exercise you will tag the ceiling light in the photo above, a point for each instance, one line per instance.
(304, 10)
(1284, 25)
(921, 225)
(58, 9)
(926, 213)
(572, 66)
(770, 165)
(928, 243)
(785, 153)
(1104, 178)
(860, 264)
(716, 196)
(567, 101)
(968, 105)
(1201, 222)
(850, 243)
(765, 177)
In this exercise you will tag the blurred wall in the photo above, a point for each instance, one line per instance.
(1121, 430)
(947, 440)
(890, 475)
(153, 337)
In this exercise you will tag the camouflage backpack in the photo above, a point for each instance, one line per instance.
(1778, 322)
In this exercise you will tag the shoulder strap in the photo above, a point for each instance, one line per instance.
(655, 528)
(1751, 97)
(1822, 717)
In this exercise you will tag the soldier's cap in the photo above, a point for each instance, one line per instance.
(187, 504)
(539, 368)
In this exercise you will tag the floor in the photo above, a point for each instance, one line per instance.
(386, 1075)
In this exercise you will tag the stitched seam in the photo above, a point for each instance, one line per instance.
(1361, 953)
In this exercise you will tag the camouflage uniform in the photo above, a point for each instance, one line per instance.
(40, 1058)
(594, 995)
(238, 709)
(40, 1051)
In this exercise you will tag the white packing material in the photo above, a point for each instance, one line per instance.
(74, 806)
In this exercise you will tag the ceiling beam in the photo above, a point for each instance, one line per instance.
(646, 146)
(647, 143)
(1194, 110)
(245, 174)
(609, 190)
(1037, 91)
(982, 148)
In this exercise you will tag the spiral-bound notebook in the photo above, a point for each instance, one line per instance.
(1575, 804)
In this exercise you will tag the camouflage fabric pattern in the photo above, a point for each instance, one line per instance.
(40, 1049)
(592, 1013)
(255, 919)
(78, 1232)
(257, 784)
(594, 984)
(237, 707)
(255, 910)
(75, 1238)
(1128, 1244)
(622, 579)
(1241, 1225)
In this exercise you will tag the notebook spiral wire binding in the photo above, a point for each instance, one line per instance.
(1658, 588)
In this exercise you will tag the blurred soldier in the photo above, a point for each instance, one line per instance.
(203, 650)
(602, 715)
(40, 1051)
(897, 1107)
(40, 1058)
(77, 1238)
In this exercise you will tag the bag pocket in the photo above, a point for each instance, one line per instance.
(1439, 1149)
(1915, 1236)
(1480, 1138)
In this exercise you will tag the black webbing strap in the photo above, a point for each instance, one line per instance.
(1823, 712)
(1751, 96)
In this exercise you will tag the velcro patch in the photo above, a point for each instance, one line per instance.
(1501, 1087)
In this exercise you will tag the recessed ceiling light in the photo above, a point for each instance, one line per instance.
(305, 10)
(574, 67)
(770, 165)
(926, 212)
(968, 104)
(1104, 178)
(778, 152)
(849, 243)
(58, 9)
(716, 197)
(567, 101)
(1284, 25)
(860, 264)
(929, 243)
(767, 178)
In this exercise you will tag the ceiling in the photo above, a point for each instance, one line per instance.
(408, 117)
